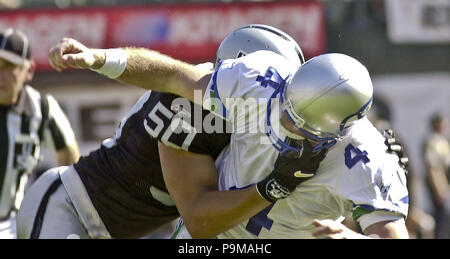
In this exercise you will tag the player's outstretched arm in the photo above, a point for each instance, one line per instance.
(136, 66)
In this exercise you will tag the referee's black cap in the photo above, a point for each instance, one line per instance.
(14, 46)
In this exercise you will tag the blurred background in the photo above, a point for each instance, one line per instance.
(405, 44)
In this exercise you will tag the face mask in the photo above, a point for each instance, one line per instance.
(290, 134)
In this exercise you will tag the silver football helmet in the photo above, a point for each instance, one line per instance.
(326, 96)
(254, 37)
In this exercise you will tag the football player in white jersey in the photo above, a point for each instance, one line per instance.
(357, 176)
(326, 102)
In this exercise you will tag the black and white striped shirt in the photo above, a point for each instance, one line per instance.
(24, 127)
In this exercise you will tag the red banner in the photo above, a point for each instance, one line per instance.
(191, 32)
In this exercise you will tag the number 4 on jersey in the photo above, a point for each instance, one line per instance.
(353, 155)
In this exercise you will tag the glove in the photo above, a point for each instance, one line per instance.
(291, 169)
(395, 147)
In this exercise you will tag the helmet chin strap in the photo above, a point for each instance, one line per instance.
(324, 144)
(317, 147)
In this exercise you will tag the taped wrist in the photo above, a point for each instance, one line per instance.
(115, 63)
(271, 190)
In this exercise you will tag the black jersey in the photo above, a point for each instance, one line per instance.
(123, 177)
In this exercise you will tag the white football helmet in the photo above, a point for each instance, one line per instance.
(325, 97)
(254, 37)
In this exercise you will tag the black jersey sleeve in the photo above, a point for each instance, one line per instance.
(181, 124)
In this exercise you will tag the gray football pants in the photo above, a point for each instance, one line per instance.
(57, 206)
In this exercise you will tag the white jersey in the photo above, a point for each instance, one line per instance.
(357, 177)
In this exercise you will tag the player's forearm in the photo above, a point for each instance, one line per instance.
(330, 229)
(208, 217)
(191, 180)
(136, 66)
(388, 229)
(152, 70)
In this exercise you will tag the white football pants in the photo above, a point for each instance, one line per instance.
(57, 206)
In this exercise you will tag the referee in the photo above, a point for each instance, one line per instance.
(27, 120)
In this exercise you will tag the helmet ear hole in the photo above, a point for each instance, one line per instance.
(241, 54)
